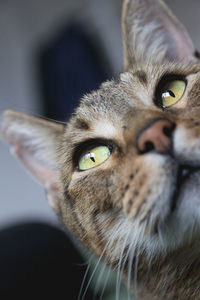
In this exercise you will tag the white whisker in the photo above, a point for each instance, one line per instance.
(130, 264)
(93, 273)
(135, 275)
(98, 283)
(84, 278)
(120, 265)
(111, 239)
(105, 283)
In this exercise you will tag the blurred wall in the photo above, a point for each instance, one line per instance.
(25, 25)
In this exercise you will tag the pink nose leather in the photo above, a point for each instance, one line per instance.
(156, 137)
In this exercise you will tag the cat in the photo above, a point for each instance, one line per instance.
(123, 174)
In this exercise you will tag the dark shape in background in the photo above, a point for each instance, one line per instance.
(70, 66)
(39, 261)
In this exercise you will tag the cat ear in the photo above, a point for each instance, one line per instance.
(151, 31)
(34, 143)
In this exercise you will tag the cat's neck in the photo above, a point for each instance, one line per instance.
(177, 276)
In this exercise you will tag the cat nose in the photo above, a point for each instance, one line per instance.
(157, 137)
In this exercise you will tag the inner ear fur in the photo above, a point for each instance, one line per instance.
(34, 142)
(151, 32)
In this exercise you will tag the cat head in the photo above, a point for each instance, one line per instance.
(124, 172)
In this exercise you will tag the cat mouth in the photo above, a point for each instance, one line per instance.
(184, 174)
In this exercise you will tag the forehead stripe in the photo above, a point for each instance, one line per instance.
(82, 124)
(142, 76)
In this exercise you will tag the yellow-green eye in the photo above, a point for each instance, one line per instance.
(94, 157)
(172, 92)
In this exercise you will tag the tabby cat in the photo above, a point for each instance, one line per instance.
(123, 174)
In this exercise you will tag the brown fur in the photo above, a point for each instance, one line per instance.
(130, 198)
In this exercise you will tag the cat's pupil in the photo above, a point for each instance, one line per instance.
(171, 94)
(92, 157)
(168, 93)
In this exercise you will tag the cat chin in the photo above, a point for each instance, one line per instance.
(187, 211)
(182, 226)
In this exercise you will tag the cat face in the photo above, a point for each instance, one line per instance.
(123, 173)
(149, 196)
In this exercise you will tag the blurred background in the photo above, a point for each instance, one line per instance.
(51, 53)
